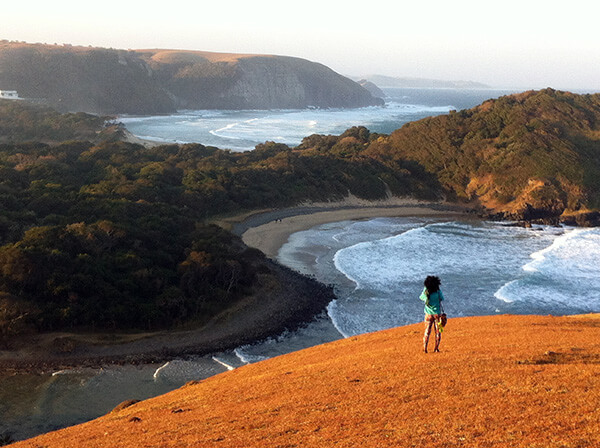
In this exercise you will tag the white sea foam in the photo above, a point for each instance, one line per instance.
(243, 130)
(223, 363)
(480, 265)
(247, 358)
(565, 274)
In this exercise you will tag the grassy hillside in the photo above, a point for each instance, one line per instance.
(501, 381)
(531, 155)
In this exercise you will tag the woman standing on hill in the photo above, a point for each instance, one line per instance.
(432, 296)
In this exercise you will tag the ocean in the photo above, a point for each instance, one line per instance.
(242, 130)
(378, 267)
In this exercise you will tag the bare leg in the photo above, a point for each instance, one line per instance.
(428, 324)
(438, 336)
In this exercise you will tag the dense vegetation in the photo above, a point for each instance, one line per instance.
(21, 121)
(536, 154)
(114, 235)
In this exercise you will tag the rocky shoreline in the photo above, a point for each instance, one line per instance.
(294, 301)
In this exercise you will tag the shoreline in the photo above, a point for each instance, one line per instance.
(250, 321)
(129, 137)
(295, 301)
(269, 230)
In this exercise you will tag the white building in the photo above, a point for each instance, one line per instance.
(9, 95)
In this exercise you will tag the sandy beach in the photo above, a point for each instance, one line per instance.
(131, 138)
(268, 231)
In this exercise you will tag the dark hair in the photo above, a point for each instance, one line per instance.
(432, 283)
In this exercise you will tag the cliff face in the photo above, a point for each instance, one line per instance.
(157, 81)
(224, 81)
(296, 83)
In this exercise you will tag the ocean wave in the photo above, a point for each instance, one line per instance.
(481, 266)
(287, 126)
(566, 274)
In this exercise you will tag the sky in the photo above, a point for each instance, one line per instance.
(506, 44)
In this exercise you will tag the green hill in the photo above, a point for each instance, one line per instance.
(531, 155)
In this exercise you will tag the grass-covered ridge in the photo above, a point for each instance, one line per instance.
(499, 381)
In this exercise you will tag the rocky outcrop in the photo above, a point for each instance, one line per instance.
(372, 88)
(102, 80)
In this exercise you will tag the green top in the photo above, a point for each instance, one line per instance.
(433, 303)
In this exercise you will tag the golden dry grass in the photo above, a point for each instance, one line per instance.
(500, 381)
(191, 56)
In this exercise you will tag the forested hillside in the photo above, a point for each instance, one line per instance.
(113, 235)
(531, 155)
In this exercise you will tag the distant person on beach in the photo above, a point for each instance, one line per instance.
(433, 297)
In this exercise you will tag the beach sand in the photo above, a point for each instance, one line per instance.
(131, 138)
(268, 231)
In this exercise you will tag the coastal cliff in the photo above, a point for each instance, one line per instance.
(112, 81)
(227, 81)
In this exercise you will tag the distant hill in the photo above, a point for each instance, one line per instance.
(501, 381)
(101, 80)
(392, 81)
(372, 87)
